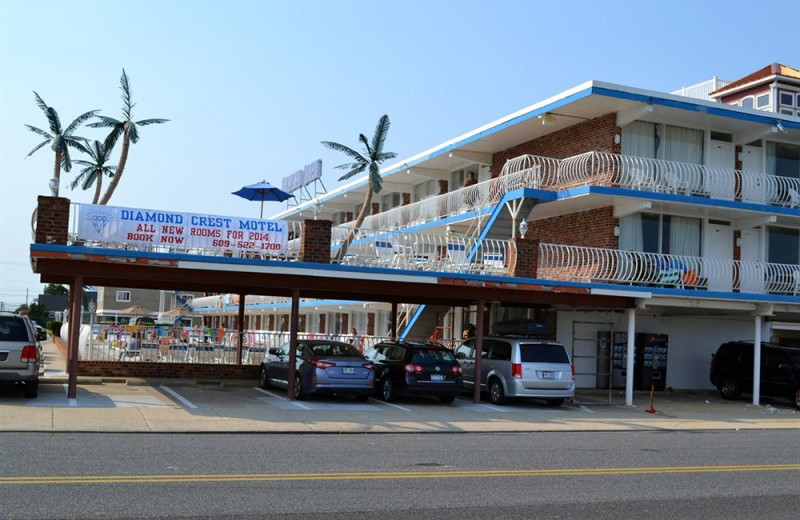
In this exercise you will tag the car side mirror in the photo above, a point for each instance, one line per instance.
(461, 355)
(273, 351)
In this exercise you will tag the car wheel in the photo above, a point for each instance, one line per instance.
(447, 399)
(387, 391)
(496, 393)
(299, 394)
(729, 389)
(555, 403)
(263, 377)
(362, 398)
(32, 390)
(797, 400)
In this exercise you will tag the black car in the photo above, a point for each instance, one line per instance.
(732, 370)
(415, 368)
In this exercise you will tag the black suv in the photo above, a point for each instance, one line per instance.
(415, 368)
(732, 370)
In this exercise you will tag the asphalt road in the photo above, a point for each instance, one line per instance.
(648, 475)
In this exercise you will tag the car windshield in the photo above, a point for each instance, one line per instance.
(538, 353)
(12, 329)
(432, 355)
(334, 350)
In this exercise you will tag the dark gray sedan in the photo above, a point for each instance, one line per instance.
(323, 366)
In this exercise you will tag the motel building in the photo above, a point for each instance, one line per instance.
(645, 228)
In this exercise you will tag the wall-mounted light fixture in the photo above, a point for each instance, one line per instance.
(547, 118)
(780, 127)
(54, 187)
(617, 138)
(523, 228)
(616, 231)
(738, 241)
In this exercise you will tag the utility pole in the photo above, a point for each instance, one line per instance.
(26, 297)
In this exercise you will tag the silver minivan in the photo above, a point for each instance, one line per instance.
(520, 367)
(19, 352)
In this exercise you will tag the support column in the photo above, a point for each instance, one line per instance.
(757, 362)
(393, 322)
(476, 394)
(293, 341)
(76, 299)
(631, 353)
(240, 327)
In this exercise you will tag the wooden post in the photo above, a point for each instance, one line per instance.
(476, 396)
(293, 341)
(76, 300)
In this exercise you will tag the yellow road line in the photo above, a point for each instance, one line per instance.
(389, 475)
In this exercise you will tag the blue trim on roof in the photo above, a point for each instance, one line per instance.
(722, 110)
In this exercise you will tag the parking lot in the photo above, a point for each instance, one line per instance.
(170, 406)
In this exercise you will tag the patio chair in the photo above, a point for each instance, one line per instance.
(457, 255)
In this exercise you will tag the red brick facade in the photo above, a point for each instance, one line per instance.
(593, 228)
(316, 242)
(52, 220)
(595, 135)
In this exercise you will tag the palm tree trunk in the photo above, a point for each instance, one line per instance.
(98, 183)
(123, 158)
(351, 235)
(57, 171)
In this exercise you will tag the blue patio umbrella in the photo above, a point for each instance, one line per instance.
(263, 191)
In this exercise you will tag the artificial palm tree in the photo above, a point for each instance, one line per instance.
(93, 170)
(372, 158)
(127, 128)
(60, 140)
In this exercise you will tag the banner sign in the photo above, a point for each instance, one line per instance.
(185, 230)
(304, 177)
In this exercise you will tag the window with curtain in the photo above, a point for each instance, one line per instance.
(783, 159)
(665, 234)
(683, 144)
(639, 139)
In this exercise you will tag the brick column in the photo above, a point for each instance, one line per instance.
(376, 208)
(527, 258)
(315, 243)
(370, 324)
(322, 323)
(406, 199)
(52, 220)
(443, 186)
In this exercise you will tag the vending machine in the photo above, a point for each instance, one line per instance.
(650, 360)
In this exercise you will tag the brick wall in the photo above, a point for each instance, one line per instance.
(166, 370)
(52, 220)
(594, 135)
(316, 241)
(592, 228)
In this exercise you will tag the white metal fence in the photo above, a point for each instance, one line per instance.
(426, 252)
(196, 345)
(588, 264)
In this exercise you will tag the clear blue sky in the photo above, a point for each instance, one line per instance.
(252, 87)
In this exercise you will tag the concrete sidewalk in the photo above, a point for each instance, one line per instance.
(129, 405)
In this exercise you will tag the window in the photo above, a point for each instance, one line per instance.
(787, 99)
(783, 245)
(124, 296)
(668, 142)
(789, 103)
(664, 234)
(389, 201)
(533, 353)
(424, 190)
(762, 101)
(746, 102)
(783, 159)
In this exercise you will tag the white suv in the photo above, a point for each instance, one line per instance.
(520, 366)
(19, 352)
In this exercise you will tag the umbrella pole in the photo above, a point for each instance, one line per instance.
(262, 210)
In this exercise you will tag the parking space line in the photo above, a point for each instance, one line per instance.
(176, 395)
(267, 392)
(585, 409)
(393, 405)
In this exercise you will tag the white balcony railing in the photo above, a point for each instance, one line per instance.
(424, 252)
(589, 264)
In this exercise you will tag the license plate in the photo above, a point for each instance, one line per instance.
(348, 370)
(548, 375)
(437, 377)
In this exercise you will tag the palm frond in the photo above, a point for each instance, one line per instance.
(127, 107)
(40, 102)
(385, 156)
(367, 148)
(345, 150)
(133, 133)
(146, 122)
(111, 139)
(39, 132)
(354, 171)
(352, 166)
(76, 143)
(66, 162)
(79, 120)
(37, 148)
(375, 177)
(381, 131)
(53, 120)
(104, 122)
